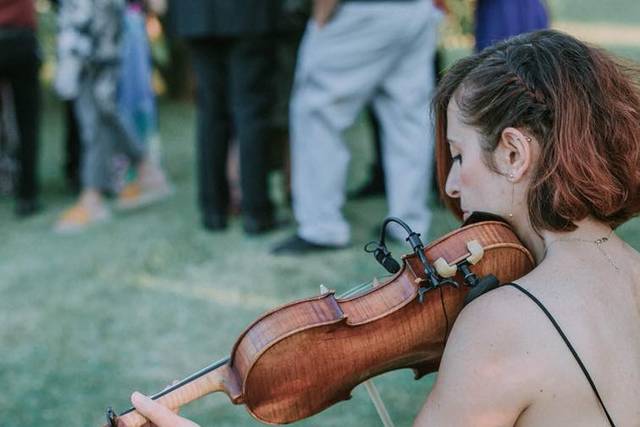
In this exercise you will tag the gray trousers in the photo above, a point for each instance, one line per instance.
(370, 52)
(102, 131)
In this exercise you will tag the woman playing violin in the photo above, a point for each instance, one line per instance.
(545, 132)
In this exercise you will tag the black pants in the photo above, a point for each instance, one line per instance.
(73, 147)
(235, 91)
(19, 66)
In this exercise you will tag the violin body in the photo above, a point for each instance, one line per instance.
(305, 356)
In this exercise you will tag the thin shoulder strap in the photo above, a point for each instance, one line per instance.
(566, 341)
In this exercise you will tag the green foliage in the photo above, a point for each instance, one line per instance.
(462, 16)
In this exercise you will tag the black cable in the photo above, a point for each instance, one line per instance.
(446, 317)
(383, 256)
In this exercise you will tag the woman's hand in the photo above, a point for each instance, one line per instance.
(158, 415)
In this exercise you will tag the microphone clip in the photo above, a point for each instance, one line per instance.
(383, 256)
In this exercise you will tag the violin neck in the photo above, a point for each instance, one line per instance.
(217, 377)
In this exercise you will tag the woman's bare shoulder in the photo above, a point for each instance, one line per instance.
(488, 363)
(494, 322)
(491, 333)
(506, 328)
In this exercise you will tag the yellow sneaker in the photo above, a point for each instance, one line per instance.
(79, 217)
(139, 193)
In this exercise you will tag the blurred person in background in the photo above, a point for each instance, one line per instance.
(354, 53)
(374, 186)
(136, 99)
(233, 53)
(89, 54)
(497, 20)
(19, 67)
(72, 148)
(72, 144)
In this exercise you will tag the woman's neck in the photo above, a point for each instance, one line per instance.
(540, 244)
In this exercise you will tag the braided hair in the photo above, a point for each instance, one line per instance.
(581, 105)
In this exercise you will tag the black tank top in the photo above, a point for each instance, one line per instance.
(566, 341)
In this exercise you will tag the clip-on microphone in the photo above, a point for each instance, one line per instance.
(383, 256)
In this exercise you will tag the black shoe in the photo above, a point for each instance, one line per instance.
(214, 222)
(296, 245)
(254, 225)
(27, 207)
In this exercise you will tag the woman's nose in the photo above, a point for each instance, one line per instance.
(452, 187)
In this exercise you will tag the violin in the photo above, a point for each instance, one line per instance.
(402, 322)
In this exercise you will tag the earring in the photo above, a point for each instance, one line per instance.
(513, 185)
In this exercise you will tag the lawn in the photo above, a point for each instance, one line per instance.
(149, 297)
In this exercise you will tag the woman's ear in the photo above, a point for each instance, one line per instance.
(514, 154)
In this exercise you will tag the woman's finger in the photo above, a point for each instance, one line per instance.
(158, 414)
(176, 410)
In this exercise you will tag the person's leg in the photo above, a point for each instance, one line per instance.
(122, 137)
(135, 118)
(286, 53)
(94, 133)
(339, 66)
(97, 149)
(375, 185)
(213, 130)
(150, 184)
(25, 88)
(251, 68)
(73, 147)
(403, 109)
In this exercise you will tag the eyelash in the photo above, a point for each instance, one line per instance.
(456, 158)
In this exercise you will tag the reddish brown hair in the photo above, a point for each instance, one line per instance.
(581, 105)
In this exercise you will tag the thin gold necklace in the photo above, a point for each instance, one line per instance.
(599, 242)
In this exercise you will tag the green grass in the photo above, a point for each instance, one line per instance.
(616, 11)
(150, 297)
